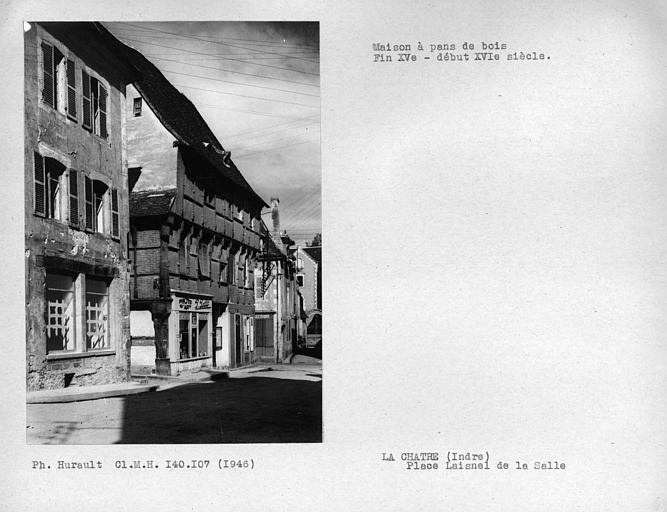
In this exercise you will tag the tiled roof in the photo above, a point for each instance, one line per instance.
(149, 203)
(179, 115)
(315, 253)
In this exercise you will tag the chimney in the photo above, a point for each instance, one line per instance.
(275, 216)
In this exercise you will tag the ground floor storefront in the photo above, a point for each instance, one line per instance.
(77, 324)
(235, 336)
(197, 333)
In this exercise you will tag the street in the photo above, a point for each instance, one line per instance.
(282, 404)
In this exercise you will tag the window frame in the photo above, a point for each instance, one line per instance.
(105, 310)
(193, 319)
(60, 77)
(137, 106)
(80, 318)
(95, 118)
(47, 312)
(51, 188)
(99, 214)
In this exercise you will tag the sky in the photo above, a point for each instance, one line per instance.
(257, 85)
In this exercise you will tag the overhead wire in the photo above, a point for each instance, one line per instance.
(235, 72)
(281, 125)
(233, 46)
(306, 209)
(236, 38)
(265, 114)
(273, 149)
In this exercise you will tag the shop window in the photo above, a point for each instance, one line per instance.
(97, 314)
(59, 313)
(193, 335)
(249, 334)
(49, 184)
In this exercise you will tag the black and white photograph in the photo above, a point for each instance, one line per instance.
(474, 191)
(173, 232)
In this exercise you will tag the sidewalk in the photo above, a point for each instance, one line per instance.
(76, 394)
(143, 383)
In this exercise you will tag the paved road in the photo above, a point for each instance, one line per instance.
(283, 405)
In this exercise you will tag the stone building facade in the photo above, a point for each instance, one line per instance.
(278, 304)
(76, 206)
(194, 231)
(309, 279)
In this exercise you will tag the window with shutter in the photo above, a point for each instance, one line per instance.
(102, 122)
(99, 97)
(87, 102)
(204, 260)
(258, 286)
(73, 198)
(40, 185)
(99, 193)
(49, 198)
(90, 217)
(115, 230)
(71, 89)
(231, 268)
(48, 76)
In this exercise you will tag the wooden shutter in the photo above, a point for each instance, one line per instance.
(102, 111)
(231, 268)
(48, 75)
(73, 198)
(40, 185)
(258, 286)
(204, 260)
(115, 231)
(87, 123)
(71, 89)
(90, 210)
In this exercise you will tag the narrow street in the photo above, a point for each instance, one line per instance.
(276, 404)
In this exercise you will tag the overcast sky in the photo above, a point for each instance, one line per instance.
(258, 87)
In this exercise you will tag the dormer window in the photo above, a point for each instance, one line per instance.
(137, 107)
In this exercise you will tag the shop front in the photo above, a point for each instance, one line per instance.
(235, 337)
(190, 332)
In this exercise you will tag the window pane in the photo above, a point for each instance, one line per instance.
(59, 312)
(184, 335)
(97, 309)
(203, 335)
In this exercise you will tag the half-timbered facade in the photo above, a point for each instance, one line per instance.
(194, 231)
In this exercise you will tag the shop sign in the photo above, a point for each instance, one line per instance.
(188, 304)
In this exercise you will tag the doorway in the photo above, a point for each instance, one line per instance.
(238, 341)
